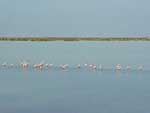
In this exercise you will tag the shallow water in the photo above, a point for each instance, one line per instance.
(75, 91)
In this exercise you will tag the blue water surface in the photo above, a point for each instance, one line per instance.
(72, 90)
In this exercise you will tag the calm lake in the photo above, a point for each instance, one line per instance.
(75, 90)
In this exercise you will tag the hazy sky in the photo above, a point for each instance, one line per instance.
(74, 17)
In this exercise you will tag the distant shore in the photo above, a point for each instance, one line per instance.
(74, 38)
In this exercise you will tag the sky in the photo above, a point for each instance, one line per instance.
(74, 18)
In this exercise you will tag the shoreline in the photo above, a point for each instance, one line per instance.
(74, 38)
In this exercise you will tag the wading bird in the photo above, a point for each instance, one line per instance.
(4, 65)
(118, 67)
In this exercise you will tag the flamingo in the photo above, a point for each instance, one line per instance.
(35, 66)
(48, 65)
(4, 65)
(118, 67)
(11, 65)
(79, 66)
(41, 67)
(24, 65)
(64, 66)
(94, 67)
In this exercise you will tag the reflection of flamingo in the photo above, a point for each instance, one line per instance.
(118, 67)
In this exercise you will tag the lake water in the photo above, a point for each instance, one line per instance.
(75, 91)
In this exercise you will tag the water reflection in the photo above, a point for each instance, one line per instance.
(128, 74)
(118, 73)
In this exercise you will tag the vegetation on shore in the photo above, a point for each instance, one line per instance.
(74, 39)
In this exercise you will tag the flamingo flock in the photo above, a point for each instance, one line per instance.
(42, 65)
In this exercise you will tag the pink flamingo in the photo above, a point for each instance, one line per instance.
(4, 65)
(35, 66)
(79, 66)
(48, 65)
(118, 67)
(11, 65)
(94, 66)
(64, 66)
